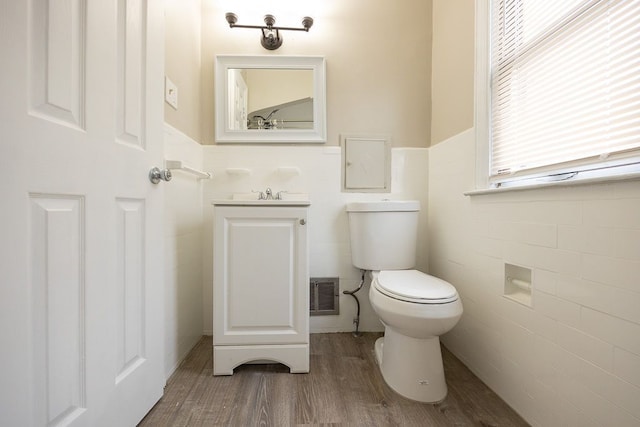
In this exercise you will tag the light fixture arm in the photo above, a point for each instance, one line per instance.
(271, 38)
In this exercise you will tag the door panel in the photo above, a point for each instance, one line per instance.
(260, 276)
(131, 74)
(57, 295)
(130, 286)
(263, 281)
(81, 296)
(57, 60)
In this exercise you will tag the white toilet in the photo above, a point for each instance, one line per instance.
(414, 307)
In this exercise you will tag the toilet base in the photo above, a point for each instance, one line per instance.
(412, 367)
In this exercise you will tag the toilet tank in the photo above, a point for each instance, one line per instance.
(383, 234)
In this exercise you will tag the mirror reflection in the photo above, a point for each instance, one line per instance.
(269, 99)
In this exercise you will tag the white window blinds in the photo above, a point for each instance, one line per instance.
(565, 91)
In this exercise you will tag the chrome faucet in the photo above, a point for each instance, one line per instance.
(268, 194)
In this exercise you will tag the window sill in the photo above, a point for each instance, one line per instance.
(586, 181)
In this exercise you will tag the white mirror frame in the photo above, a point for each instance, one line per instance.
(274, 136)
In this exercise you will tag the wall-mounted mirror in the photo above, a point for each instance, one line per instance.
(270, 99)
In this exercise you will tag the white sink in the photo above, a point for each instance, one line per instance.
(251, 199)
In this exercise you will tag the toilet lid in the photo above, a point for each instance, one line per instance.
(415, 286)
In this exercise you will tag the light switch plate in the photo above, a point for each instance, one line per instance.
(170, 93)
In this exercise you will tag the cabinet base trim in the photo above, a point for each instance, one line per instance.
(227, 357)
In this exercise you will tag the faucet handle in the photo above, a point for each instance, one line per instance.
(261, 195)
(279, 194)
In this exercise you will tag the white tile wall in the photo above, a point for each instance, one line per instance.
(183, 259)
(329, 250)
(574, 357)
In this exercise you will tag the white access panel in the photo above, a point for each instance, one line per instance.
(366, 164)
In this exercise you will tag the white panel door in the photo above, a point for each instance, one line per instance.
(81, 225)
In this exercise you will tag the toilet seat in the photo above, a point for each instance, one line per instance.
(414, 286)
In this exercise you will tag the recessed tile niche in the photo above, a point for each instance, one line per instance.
(517, 284)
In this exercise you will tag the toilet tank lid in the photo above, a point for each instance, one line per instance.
(384, 206)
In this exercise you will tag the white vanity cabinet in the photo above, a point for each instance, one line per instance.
(260, 285)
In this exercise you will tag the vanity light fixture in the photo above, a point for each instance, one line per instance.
(271, 37)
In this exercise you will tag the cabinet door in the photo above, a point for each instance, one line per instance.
(261, 294)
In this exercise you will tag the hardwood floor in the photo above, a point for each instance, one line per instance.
(344, 388)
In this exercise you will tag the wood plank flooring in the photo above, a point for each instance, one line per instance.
(344, 388)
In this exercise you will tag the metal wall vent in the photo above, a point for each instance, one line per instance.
(324, 294)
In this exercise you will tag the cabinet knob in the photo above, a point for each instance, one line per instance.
(303, 221)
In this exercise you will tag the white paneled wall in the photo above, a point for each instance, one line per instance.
(329, 251)
(574, 357)
(183, 258)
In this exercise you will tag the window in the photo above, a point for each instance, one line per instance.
(564, 98)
